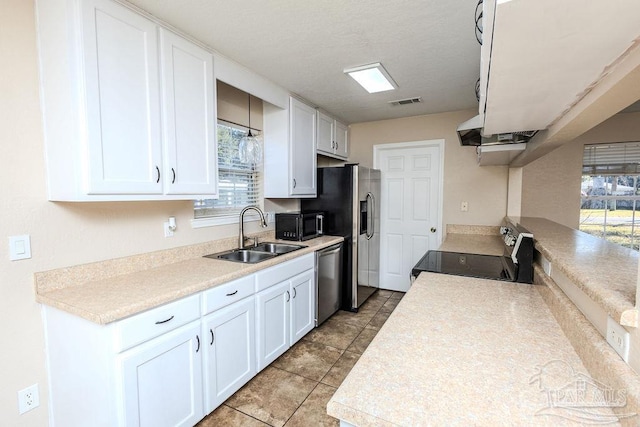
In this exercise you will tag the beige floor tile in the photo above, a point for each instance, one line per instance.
(309, 359)
(229, 417)
(379, 319)
(374, 302)
(360, 344)
(390, 305)
(341, 369)
(397, 295)
(313, 411)
(385, 293)
(272, 396)
(361, 318)
(334, 334)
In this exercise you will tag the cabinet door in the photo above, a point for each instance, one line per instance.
(188, 100)
(162, 380)
(325, 142)
(273, 325)
(122, 101)
(341, 140)
(230, 356)
(302, 305)
(303, 149)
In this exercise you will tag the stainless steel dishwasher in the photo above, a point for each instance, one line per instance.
(328, 282)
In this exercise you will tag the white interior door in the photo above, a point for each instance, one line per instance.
(411, 207)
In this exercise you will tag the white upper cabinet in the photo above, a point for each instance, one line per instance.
(290, 150)
(302, 145)
(189, 113)
(106, 112)
(325, 142)
(332, 137)
(122, 100)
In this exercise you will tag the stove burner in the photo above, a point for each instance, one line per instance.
(515, 266)
(463, 264)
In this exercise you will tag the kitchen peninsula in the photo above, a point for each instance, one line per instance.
(467, 351)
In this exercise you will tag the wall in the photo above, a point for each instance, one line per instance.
(550, 185)
(484, 188)
(62, 234)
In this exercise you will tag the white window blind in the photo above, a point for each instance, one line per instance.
(239, 184)
(622, 158)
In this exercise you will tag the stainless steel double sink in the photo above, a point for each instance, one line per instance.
(252, 255)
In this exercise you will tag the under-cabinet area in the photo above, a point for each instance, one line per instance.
(174, 363)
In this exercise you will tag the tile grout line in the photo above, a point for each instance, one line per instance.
(248, 415)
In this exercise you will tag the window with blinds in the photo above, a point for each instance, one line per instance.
(610, 192)
(621, 158)
(238, 182)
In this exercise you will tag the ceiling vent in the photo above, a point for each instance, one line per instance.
(406, 101)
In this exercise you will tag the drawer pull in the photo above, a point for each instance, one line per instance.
(212, 337)
(160, 322)
(232, 293)
(198, 339)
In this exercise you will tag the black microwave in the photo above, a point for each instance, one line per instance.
(298, 226)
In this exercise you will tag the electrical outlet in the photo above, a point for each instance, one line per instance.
(28, 399)
(168, 232)
(618, 338)
(464, 206)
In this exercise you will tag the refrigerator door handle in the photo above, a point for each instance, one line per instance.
(371, 207)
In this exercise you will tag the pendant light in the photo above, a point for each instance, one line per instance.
(250, 148)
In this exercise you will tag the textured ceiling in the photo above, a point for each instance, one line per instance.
(427, 46)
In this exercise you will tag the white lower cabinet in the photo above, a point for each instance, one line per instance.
(174, 364)
(229, 356)
(285, 309)
(302, 305)
(162, 380)
(273, 323)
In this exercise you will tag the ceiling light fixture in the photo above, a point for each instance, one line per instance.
(373, 77)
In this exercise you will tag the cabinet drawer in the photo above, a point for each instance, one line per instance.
(157, 321)
(281, 272)
(228, 293)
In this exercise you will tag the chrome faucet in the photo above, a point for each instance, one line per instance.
(241, 237)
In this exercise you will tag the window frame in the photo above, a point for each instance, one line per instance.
(231, 216)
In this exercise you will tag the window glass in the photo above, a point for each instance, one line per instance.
(239, 183)
(610, 193)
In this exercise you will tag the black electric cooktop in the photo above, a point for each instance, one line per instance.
(463, 264)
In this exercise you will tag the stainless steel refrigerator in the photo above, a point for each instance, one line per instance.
(349, 197)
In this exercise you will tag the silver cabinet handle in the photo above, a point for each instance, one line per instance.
(288, 296)
(173, 181)
(294, 292)
(198, 339)
(234, 292)
(212, 336)
(433, 229)
(158, 171)
(294, 183)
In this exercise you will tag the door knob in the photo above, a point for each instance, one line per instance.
(433, 229)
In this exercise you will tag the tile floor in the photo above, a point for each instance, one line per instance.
(294, 390)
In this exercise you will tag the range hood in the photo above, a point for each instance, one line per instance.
(471, 133)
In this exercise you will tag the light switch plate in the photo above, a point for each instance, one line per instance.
(19, 247)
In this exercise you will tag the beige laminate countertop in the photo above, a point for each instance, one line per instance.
(463, 351)
(606, 272)
(114, 298)
(473, 243)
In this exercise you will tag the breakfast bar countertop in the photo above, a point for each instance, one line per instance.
(464, 351)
